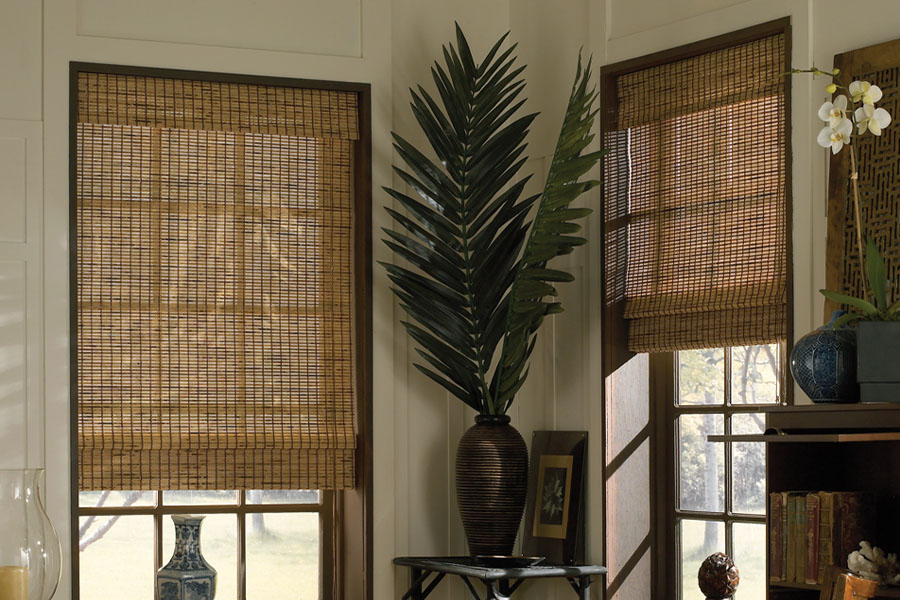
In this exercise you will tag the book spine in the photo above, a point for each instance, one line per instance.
(812, 538)
(857, 519)
(800, 573)
(784, 536)
(791, 556)
(826, 533)
(775, 537)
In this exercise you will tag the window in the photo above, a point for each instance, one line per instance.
(221, 325)
(696, 272)
(719, 488)
(265, 541)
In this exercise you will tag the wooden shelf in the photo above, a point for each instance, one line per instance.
(834, 447)
(808, 438)
(884, 591)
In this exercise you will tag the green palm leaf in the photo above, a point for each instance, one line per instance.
(465, 223)
(549, 238)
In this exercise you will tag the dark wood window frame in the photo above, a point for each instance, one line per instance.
(346, 517)
(664, 414)
(662, 379)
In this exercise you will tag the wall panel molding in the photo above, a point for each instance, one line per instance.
(331, 28)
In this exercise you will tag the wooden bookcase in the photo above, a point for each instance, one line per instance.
(837, 448)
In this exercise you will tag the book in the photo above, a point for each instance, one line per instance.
(784, 537)
(812, 538)
(857, 523)
(829, 531)
(776, 537)
(790, 557)
(800, 569)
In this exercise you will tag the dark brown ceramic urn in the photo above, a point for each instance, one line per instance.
(491, 483)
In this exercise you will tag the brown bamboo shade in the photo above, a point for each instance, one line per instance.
(697, 172)
(214, 236)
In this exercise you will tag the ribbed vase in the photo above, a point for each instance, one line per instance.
(491, 484)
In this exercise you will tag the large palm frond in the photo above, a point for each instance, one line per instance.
(551, 236)
(466, 222)
(469, 220)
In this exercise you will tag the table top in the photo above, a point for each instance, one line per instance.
(465, 565)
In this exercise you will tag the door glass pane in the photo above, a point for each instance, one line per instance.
(200, 497)
(116, 499)
(218, 544)
(701, 377)
(282, 497)
(699, 539)
(116, 559)
(754, 374)
(750, 557)
(701, 463)
(283, 556)
(748, 466)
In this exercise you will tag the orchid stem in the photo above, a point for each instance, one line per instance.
(854, 182)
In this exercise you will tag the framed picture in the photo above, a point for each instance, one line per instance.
(554, 512)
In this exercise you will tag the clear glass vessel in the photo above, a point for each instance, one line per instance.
(29, 546)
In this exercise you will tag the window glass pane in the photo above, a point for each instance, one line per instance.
(282, 497)
(116, 559)
(749, 541)
(283, 556)
(748, 466)
(754, 374)
(701, 463)
(200, 497)
(701, 377)
(699, 539)
(116, 499)
(218, 544)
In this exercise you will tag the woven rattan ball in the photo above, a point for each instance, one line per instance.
(718, 577)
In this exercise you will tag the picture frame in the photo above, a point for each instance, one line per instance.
(554, 510)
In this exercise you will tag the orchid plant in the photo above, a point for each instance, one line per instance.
(850, 114)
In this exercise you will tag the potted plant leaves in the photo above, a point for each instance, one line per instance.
(475, 280)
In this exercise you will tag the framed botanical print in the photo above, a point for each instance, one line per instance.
(554, 513)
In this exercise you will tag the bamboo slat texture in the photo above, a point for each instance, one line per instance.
(214, 284)
(697, 181)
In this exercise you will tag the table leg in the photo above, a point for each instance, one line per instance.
(495, 590)
(415, 588)
(585, 584)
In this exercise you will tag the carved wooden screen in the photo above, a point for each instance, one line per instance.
(879, 177)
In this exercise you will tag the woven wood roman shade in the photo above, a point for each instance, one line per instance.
(696, 179)
(214, 271)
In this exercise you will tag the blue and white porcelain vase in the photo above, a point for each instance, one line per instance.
(823, 363)
(187, 576)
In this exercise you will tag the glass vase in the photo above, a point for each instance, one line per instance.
(29, 547)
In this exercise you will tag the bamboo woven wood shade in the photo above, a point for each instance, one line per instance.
(214, 236)
(697, 178)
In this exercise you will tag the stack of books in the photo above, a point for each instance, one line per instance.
(810, 531)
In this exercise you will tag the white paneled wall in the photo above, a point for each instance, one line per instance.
(21, 298)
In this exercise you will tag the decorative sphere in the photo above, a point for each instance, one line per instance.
(718, 577)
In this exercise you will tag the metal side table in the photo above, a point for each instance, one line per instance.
(499, 583)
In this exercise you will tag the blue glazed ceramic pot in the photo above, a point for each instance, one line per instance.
(187, 576)
(823, 363)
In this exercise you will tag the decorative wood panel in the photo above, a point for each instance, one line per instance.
(879, 177)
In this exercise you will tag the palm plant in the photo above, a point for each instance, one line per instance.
(478, 285)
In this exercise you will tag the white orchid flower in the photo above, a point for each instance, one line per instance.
(835, 137)
(871, 118)
(865, 91)
(834, 112)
